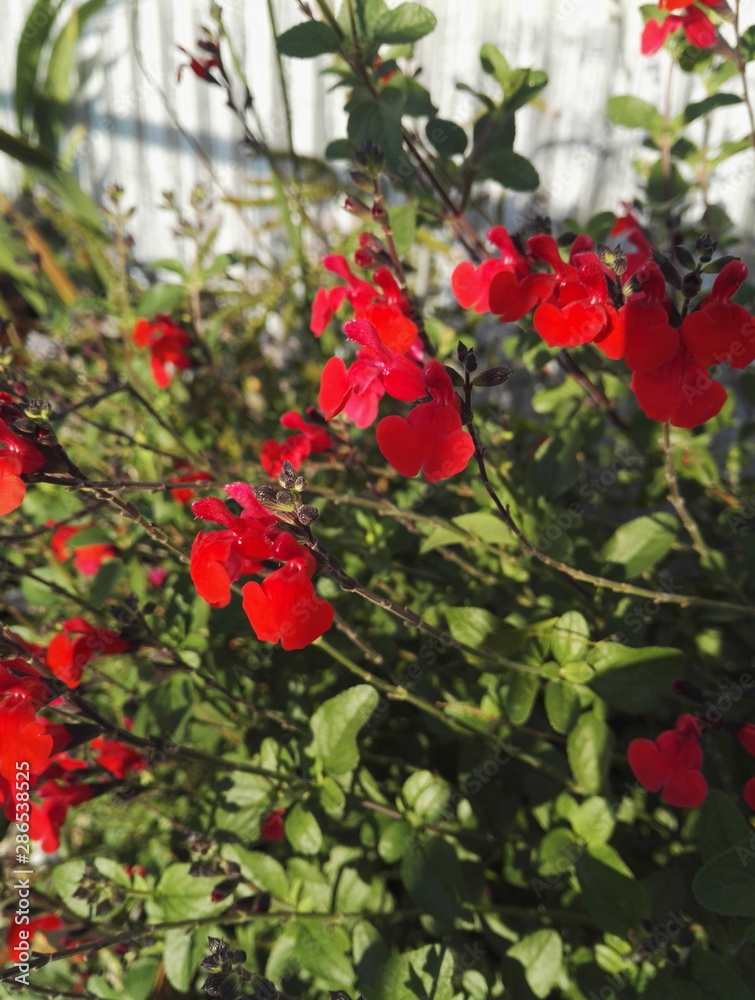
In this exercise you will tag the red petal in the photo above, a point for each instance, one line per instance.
(649, 765)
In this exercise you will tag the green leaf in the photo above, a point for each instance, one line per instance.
(317, 948)
(634, 680)
(109, 575)
(593, 820)
(377, 120)
(403, 222)
(245, 801)
(708, 104)
(184, 950)
(181, 896)
(570, 637)
(720, 825)
(161, 298)
(307, 40)
(520, 697)
(406, 23)
(335, 726)
(747, 43)
(395, 840)
(339, 149)
(448, 138)
(263, 871)
(716, 977)
(509, 169)
(588, 748)
(616, 902)
(641, 543)
(561, 705)
(542, 956)
(302, 830)
(633, 112)
(483, 525)
(470, 625)
(726, 883)
(432, 877)
(426, 797)
(495, 64)
(34, 35)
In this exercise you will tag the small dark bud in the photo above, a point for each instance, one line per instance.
(198, 843)
(102, 907)
(307, 514)
(370, 157)
(357, 207)
(470, 362)
(37, 409)
(455, 377)
(221, 891)
(691, 284)
(362, 181)
(684, 257)
(300, 484)
(287, 475)
(668, 270)
(461, 352)
(706, 247)
(566, 239)
(492, 376)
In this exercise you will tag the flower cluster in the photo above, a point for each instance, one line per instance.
(619, 303)
(698, 28)
(168, 345)
(27, 685)
(672, 763)
(284, 607)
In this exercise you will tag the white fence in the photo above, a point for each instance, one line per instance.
(589, 48)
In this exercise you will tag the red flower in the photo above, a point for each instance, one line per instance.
(698, 28)
(22, 736)
(431, 437)
(720, 330)
(285, 607)
(118, 758)
(184, 494)
(357, 390)
(680, 391)
(386, 306)
(295, 449)
(749, 793)
(18, 945)
(167, 343)
(87, 558)
(672, 763)
(643, 335)
(48, 817)
(202, 66)
(272, 828)
(501, 285)
(219, 558)
(67, 657)
(746, 736)
(17, 456)
(578, 311)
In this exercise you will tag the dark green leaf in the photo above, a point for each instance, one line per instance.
(633, 112)
(616, 902)
(307, 40)
(406, 23)
(302, 830)
(588, 748)
(726, 883)
(708, 104)
(634, 680)
(721, 825)
(447, 137)
(569, 640)
(561, 705)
